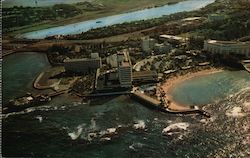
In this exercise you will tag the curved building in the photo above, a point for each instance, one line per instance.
(227, 47)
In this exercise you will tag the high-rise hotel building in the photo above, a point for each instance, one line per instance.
(124, 69)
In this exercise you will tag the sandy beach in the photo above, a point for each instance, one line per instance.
(170, 83)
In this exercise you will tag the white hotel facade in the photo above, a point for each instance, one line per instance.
(227, 47)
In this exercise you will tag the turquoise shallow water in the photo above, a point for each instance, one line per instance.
(45, 131)
(210, 88)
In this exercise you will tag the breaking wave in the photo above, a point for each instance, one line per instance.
(75, 134)
(140, 124)
(175, 128)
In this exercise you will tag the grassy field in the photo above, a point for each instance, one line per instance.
(85, 11)
(36, 3)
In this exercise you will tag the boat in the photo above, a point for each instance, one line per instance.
(98, 22)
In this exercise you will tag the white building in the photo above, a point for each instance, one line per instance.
(227, 47)
(173, 39)
(84, 65)
(112, 60)
(124, 69)
(147, 44)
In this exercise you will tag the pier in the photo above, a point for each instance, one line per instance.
(104, 94)
(166, 106)
(246, 64)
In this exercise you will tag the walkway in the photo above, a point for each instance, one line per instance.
(246, 64)
(168, 106)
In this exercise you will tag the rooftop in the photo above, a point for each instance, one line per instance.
(81, 59)
(226, 42)
(172, 37)
(144, 73)
(191, 19)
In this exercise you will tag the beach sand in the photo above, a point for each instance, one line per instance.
(170, 83)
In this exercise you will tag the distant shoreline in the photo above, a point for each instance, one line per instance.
(92, 15)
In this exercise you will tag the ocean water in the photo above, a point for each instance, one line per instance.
(211, 88)
(19, 71)
(61, 128)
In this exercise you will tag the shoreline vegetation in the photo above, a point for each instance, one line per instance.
(232, 26)
(63, 14)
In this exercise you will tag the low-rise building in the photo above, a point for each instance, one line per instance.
(147, 44)
(163, 47)
(227, 47)
(84, 65)
(216, 17)
(173, 39)
(145, 76)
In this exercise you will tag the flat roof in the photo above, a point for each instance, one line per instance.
(125, 63)
(82, 59)
(172, 37)
(144, 73)
(126, 60)
(191, 18)
(226, 42)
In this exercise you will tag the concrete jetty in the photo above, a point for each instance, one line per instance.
(246, 64)
(162, 106)
(146, 98)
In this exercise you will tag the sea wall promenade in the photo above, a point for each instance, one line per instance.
(167, 106)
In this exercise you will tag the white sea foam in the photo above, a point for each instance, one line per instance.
(207, 120)
(91, 136)
(246, 106)
(156, 119)
(235, 112)
(92, 124)
(105, 139)
(40, 119)
(111, 130)
(136, 146)
(175, 128)
(74, 135)
(29, 110)
(140, 124)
